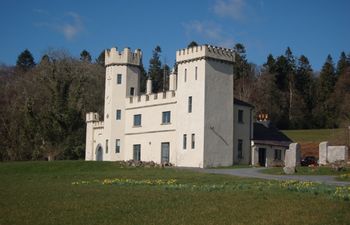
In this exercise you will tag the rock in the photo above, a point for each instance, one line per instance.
(289, 170)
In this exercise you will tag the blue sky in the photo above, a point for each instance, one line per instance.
(314, 28)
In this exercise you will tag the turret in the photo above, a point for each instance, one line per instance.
(205, 52)
(149, 86)
(125, 57)
(92, 117)
(122, 80)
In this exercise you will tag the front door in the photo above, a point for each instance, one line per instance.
(137, 152)
(262, 156)
(165, 152)
(99, 152)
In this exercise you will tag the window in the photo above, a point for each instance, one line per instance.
(137, 120)
(118, 115)
(184, 144)
(137, 152)
(106, 145)
(119, 78)
(117, 145)
(185, 75)
(132, 91)
(166, 117)
(190, 104)
(240, 116)
(240, 149)
(278, 154)
(193, 143)
(195, 72)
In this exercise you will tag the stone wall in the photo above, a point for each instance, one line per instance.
(292, 156)
(330, 154)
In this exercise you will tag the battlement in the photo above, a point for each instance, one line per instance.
(205, 51)
(92, 117)
(125, 57)
(152, 99)
(98, 124)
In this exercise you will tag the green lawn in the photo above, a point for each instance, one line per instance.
(69, 192)
(304, 170)
(332, 135)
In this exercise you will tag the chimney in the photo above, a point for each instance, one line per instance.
(172, 81)
(264, 119)
(149, 86)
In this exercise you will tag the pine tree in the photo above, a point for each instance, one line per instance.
(342, 64)
(155, 70)
(270, 64)
(101, 58)
(325, 111)
(143, 79)
(327, 79)
(305, 89)
(192, 44)
(25, 61)
(241, 65)
(243, 73)
(85, 56)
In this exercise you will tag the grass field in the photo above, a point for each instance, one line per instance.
(336, 136)
(309, 140)
(68, 192)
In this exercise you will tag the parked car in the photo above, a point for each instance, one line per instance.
(308, 160)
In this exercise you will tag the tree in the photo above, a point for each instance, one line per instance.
(304, 86)
(327, 79)
(243, 73)
(25, 61)
(270, 64)
(42, 114)
(85, 56)
(143, 79)
(325, 110)
(341, 98)
(45, 59)
(101, 59)
(155, 70)
(342, 64)
(192, 44)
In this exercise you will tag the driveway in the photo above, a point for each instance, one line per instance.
(256, 173)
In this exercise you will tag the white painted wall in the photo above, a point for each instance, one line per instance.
(190, 123)
(218, 133)
(243, 131)
(270, 154)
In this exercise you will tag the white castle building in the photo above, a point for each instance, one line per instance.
(194, 124)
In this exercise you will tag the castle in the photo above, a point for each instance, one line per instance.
(193, 124)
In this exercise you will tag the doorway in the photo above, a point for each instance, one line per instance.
(262, 156)
(165, 152)
(137, 152)
(99, 153)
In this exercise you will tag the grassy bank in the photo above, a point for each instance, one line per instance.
(104, 193)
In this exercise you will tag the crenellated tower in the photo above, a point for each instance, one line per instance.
(205, 106)
(122, 80)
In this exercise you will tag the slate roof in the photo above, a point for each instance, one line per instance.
(269, 136)
(236, 101)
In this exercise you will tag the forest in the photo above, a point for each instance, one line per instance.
(43, 104)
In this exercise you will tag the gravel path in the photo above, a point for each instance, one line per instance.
(256, 173)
